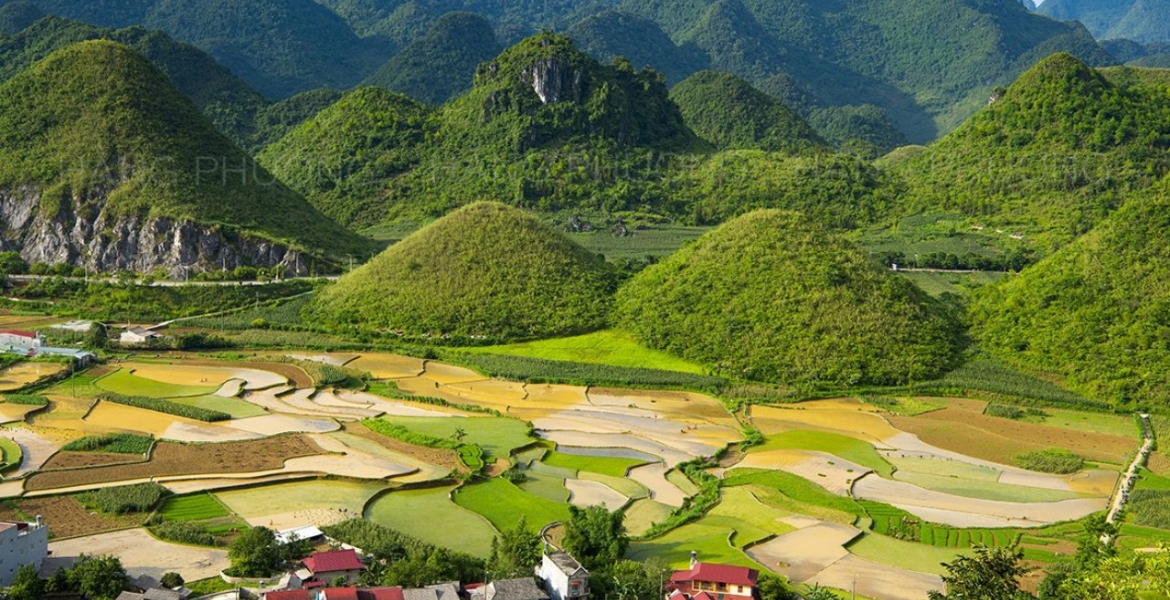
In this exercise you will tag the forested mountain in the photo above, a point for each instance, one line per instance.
(280, 47)
(102, 160)
(341, 157)
(772, 296)
(1051, 157)
(440, 65)
(17, 16)
(484, 270)
(1095, 312)
(611, 34)
(729, 113)
(1137, 20)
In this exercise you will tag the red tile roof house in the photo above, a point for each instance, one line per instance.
(709, 581)
(327, 567)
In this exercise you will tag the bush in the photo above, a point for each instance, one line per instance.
(168, 407)
(27, 399)
(1012, 412)
(184, 532)
(125, 499)
(536, 370)
(1051, 460)
(118, 443)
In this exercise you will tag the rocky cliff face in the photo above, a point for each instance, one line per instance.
(79, 235)
(553, 81)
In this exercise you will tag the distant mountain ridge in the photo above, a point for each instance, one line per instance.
(1142, 21)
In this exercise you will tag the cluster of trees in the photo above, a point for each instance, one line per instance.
(1012, 261)
(91, 577)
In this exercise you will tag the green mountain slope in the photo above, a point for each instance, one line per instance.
(1103, 17)
(338, 159)
(224, 98)
(1146, 21)
(275, 120)
(728, 112)
(17, 16)
(441, 65)
(771, 296)
(484, 270)
(611, 34)
(101, 131)
(1095, 312)
(1054, 156)
(281, 47)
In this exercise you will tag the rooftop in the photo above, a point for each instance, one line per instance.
(718, 574)
(567, 564)
(335, 560)
(524, 588)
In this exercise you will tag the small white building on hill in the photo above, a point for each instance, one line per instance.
(21, 544)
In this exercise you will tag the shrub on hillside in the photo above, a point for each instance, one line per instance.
(1051, 460)
(27, 399)
(125, 499)
(119, 443)
(184, 532)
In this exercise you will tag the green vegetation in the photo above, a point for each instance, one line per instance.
(610, 347)
(198, 507)
(897, 524)
(440, 65)
(1149, 508)
(1114, 19)
(1012, 412)
(1089, 314)
(729, 113)
(504, 505)
(98, 99)
(485, 270)
(168, 407)
(850, 449)
(772, 297)
(412, 562)
(536, 370)
(12, 455)
(237, 408)
(498, 436)
(141, 497)
(18, 15)
(26, 399)
(605, 465)
(1051, 460)
(431, 516)
(906, 555)
(609, 34)
(368, 135)
(119, 443)
(125, 383)
(184, 532)
(797, 492)
(987, 375)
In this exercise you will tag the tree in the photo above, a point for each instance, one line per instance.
(595, 536)
(820, 593)
(514, 552)
(97, 336)
(98, 578)
(630, 580)
(772, 587)
(1122, 577)
(26, 584)
(171, 580)
(256, 553)
(991, 573)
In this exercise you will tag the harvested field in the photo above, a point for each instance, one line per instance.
(653, 477)
(325, 358)
(684, 407)
(26, 373)
(171, 459)
(430, 515)
(118, 417)
(12, 413)
(256, 504)
(128, 382)
(201, 433)
(875, 580)
(844, 416)
(420, 470)
(848, 448)
(398, 408)
(388, 366)
(440, 457)
(913, 556)
(74, 460)
(826, 470)
(214, 484)
(590, 493)
(489, 392)
(37, 445)
(644, 514)
(66, 516)
(278, 424)
(235, 407)
(204, 373)
(962, 428)
(141, 554)
(344, 461)
(804, 553)
(450, 374)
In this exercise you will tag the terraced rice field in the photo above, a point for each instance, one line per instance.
(198, 507)
(504, 504)
(118, 417)
(712, 542)
(497, 436)
(388, 366)
(201, 374)
(610, 347)
(235, 407)
(430, 515)
(644, 514)
(128, 382)
(605, 465)
(311, 501)
(26, 373)
(66, 516)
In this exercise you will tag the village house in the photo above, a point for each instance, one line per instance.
(137, 335)
(709, 581)
(338, 593)
(523, 588)
(22, 544)
(21, 340)
(564, 578)
(328, 567)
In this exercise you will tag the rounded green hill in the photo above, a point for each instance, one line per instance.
(485, 270)
(772, 297)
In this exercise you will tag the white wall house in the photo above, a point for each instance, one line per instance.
(22, 544)
(137, 335)
(564, 578)
(21, 339)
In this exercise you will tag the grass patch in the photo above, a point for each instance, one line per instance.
(1051, 460)
(904, 406)
(199, 507)
(657, 241)
(710, 541)
(682, 482)
(504, 504)
(960, 284)
(126, 383)
(536, 370)
(430, 515)
(498, 436)
(1120, 425)
(792, 487)
(1149, 481)
(903, 554)
(26, 399)
(545, 486)
(610, 347)
(851, 449)
(741, 505)
(11, 454)
(117, 443)
(605, 465)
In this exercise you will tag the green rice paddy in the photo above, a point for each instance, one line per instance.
(906, 555)
(299, 496)
(504, 504)
(545, 486)
(498, 436)
(235, 407)
(11, 454)
(644, 514)
(126, 383)
(193, 508)
(430, 515)
(613, 348)
(889, 521)
(605, 465)
(626, 487)
(851, 449)
(712, 542)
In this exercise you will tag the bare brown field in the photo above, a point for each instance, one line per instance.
(74, 460)
(961, 427)
(1159, 464)
(293, 373)
(66, 516)
(435, 456)
(172, 459)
